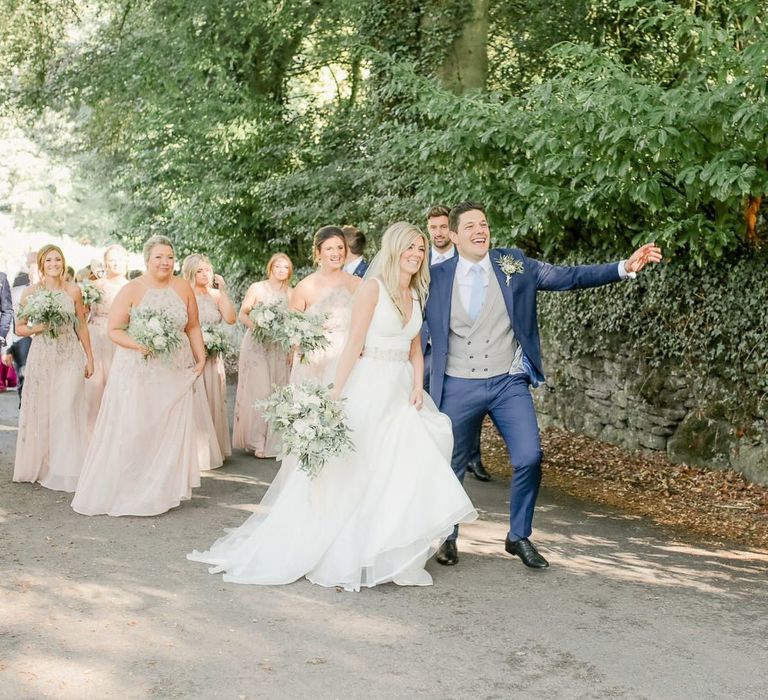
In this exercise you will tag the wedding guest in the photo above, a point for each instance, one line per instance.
(115, 268)
(19, 347)
(261, 366)
(355, 263)
(442, 248)
(147, 453)
(486, 354)
(6, 321)
(327, 291)
(375, 514)
(53, 435)
(84, 274)
(215, 309)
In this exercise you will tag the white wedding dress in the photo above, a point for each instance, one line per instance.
(374, 515)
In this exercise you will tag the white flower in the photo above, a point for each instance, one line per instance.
(155, 325)
(510, 265)
(160, 342)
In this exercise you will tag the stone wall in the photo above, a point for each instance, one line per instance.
(617, 398)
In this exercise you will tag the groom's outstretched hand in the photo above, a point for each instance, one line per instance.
(649, 253)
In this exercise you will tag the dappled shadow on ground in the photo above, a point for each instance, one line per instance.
(109, 607)
(607, 545)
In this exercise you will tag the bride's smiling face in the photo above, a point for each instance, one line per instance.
(332, 253)
(412, 258)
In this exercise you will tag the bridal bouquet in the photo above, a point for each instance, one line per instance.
(215, 340)
(311, 424)
(267, 319)
(91, 293)
(45, 307)
(155, 330)
(305, 332)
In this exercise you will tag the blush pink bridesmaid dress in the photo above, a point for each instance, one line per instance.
(215, 376)
(53, 436)
(259, 369)
(149, 445)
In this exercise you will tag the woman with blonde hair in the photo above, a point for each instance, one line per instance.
(149, 446)
(260, 366)
(326, 292)
(378, 513)
(115, 269)
(53, 434)
(215, 309)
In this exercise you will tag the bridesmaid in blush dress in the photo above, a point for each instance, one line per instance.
(327, 291)
(115, 268)
(53, 437)
(145, 456)
(261, 366)
(215, 308)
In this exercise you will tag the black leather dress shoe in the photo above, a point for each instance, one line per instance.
(527, 552)
(478, 470)
(447, 555)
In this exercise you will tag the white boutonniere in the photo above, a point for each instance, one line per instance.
(510, 265)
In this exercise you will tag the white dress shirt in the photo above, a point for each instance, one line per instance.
(464, 278)
(438, 257)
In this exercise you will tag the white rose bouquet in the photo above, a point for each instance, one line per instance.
(45, 307)
(267, 319)
(305, 332)
(311, 424)
(91, 293)
(215, 340)
(156, 331)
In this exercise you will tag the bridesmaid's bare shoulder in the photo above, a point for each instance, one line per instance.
(132, 291)
(73, 290)
(353, 283)
(30, 290)
(182, 288)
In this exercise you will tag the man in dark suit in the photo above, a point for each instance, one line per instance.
(440, 250)
(486, 353)
(355, 264)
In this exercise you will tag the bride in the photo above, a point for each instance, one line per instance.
(377, 514)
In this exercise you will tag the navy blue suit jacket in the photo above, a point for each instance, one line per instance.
(361, 268)
(519, 298)
(6, 306)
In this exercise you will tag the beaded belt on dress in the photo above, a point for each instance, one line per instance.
(386, 354)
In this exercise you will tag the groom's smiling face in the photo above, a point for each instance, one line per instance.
(473, 238)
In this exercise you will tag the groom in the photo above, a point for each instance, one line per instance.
(481, 314)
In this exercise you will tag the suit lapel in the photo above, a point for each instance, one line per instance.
(507, 290)
(446, 274)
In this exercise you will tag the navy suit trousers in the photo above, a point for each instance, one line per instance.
(507, 399)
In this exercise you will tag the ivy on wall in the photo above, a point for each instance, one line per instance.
(709, 323)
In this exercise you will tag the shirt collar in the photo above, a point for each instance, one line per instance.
(464, 266)
(446, 256)
(352, 264)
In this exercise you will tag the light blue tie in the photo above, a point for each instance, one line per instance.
(477, 296)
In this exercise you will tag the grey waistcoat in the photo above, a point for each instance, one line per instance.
(486, 347)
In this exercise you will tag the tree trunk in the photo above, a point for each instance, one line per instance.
(466, 64)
